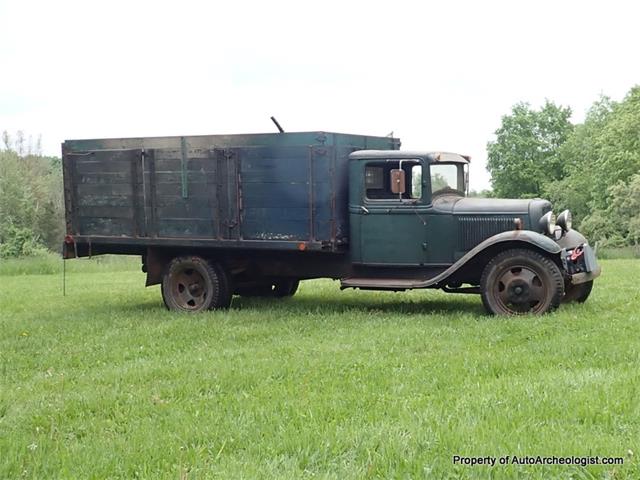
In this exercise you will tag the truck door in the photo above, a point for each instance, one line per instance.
(391, 214)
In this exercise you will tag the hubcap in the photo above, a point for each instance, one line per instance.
(189, 288)
(520, 290)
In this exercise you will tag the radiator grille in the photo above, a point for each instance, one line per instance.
(474, 229)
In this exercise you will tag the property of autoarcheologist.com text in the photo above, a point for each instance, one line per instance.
(491, 461)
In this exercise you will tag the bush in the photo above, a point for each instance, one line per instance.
(20, 242)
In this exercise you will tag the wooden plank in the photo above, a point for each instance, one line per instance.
(104, 201)
(102, 189)
(185, 210)
(107, 178)
(184, 227)
(193, 164)
(282, 195)
(109, 211)
(176, 177)
(169, 200)
(92, 165)
(175, 189)
(105, 226)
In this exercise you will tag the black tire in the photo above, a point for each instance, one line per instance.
(577, 293)
(192, 284)
(278, 289)
(285, 288)
(521, 281)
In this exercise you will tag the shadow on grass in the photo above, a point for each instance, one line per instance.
(310, 304)
(320, 304)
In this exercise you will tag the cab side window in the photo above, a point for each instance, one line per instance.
(377, 178)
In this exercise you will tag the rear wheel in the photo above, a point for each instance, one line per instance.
(192, 284)
(577, 293)
(521, 281)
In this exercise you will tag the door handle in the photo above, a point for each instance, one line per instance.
(364, 209)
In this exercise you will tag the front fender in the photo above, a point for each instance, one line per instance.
(571, 239)
(511, 237)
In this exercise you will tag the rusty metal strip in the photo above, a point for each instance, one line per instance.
(332, 174)
(143, 167)
(152, 229)
(311, 226)
(183, 165)
(218, 155)
(212, 191)
(239, 206)
(135, 201)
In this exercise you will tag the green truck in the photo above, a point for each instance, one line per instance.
(215, 216)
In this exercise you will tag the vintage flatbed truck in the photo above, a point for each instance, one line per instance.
(220, 215)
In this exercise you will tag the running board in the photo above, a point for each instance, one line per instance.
(368, 283)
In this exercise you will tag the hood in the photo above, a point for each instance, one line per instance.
(494, 206)
(531, 210)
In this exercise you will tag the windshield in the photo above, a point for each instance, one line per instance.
(447, 178)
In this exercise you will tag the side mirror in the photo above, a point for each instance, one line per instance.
(397, 181)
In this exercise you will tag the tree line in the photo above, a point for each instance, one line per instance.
(591, 168)
(31, 198)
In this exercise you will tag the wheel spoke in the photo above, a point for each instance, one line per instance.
(527, 275)
(504, 296)
(508, 277)
(536, 293)
(189, 299)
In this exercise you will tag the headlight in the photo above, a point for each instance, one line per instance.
(548, 223)
(565, 220)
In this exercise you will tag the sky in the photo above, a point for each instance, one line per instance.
(439, 75)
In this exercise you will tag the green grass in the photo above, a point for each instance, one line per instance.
(104, 383)
(625, 253)
(51, 264)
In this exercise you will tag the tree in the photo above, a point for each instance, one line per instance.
(523, 158)
(31, 204)
(602, 161)
(579, 157)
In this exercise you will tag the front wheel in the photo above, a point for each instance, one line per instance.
(577, 293)
(521, 281)
(193, 284)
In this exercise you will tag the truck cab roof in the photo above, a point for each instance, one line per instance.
(431, 157)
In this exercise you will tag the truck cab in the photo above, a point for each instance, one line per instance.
(412, 226)
(399, 207)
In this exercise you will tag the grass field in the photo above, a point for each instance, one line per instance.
(104, 383)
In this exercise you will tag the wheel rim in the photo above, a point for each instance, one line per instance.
(520, 290)
(189, 288)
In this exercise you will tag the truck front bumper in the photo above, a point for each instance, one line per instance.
(581, 264)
